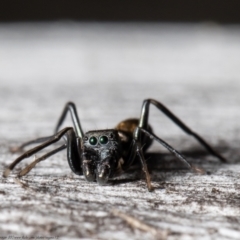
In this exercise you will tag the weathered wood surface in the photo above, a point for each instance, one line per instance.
(107, 70)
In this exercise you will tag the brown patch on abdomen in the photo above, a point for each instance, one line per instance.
(128, 125)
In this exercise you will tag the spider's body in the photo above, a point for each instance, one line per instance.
(103, 154)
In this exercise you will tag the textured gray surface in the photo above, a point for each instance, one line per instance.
(107, 70)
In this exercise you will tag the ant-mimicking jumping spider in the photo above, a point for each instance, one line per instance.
(103, 154)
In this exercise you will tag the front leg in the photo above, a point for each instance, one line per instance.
(22, 146)
(73, 152)
(138, 149)
(73, 155)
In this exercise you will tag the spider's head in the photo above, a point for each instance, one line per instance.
(101, 155)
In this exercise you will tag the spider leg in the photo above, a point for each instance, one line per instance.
(72, 154)
(32, 151)
(139, 152)
(143, 122)
(70, 106)
(29, 167)
(77, 126)
(138, 149)
(169, 148)
(21, 147)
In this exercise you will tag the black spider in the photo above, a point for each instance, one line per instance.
(102, 154)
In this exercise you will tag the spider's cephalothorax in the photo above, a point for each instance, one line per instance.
(100, 155)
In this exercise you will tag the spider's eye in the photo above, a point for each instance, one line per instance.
(93, 140)
(103, 139)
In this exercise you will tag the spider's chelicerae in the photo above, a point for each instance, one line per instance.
(103, 154)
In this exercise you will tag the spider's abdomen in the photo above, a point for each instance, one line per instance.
(127, 128)
(128, 125)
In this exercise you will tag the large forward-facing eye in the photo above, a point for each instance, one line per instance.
(93, 140)
(103, 139)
